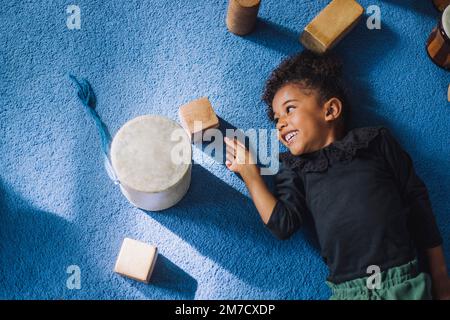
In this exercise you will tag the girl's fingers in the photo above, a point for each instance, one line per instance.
(239, 143)
(230, 149)
(229, 142)
(235, 143)
(230, 157)
(236, 151)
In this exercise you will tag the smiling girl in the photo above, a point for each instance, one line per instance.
(368, 205)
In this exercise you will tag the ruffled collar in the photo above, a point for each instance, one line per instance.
(339, 151)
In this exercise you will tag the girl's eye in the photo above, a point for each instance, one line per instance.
(289, 109)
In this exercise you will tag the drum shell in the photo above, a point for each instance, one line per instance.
(158, 201)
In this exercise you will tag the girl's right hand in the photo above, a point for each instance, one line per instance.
(239, 159)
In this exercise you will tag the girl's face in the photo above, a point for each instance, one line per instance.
(303, 124)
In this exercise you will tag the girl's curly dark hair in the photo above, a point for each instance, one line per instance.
(322, 73)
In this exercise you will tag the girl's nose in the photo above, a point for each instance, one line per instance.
(281, 123)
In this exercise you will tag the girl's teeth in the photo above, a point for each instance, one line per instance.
(290, 135)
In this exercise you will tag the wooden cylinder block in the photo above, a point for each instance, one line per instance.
(242, 15)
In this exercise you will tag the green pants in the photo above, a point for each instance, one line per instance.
(398, 283)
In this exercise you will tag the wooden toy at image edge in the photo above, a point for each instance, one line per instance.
(438, 43)
(441, 4)
(331, 25)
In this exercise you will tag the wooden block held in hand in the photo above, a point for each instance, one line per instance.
(136, 260)
(331, 25)
(198, 112)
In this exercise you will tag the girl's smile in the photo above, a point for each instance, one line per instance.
(290, 137)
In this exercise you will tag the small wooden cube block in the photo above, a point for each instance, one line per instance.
(136, 260)
(331, 25)
(197, 116)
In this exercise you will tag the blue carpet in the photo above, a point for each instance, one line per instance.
(58, 207)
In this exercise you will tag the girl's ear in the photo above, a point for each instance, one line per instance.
(332, 109)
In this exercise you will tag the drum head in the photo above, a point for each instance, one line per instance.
(151, 154)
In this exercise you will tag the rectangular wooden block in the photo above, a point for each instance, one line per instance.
(331, 25)
(136, 260)
(197, 116)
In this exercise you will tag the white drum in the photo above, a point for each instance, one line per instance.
(151, 156)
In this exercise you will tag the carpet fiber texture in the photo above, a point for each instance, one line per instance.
(57, 206)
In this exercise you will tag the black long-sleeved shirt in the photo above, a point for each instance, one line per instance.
(368, 205)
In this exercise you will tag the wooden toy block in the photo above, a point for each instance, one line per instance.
(242, 16)
(331, 25)
(197, 116)
(136, 260)
(441, 4)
